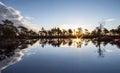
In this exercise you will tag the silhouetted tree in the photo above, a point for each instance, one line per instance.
(105, 31)
(50, 33)
(87, 33)
(23, 31)
(64, 32)
(118, 29)
(44, 32)
(8, 30)
(113, 31)
(70, 32)
(58, 31)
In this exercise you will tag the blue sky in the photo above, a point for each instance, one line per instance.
(84, 13)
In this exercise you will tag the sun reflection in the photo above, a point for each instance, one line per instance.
(77, 40)
(72, 43)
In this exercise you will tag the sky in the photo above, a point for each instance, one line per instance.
(68, 13)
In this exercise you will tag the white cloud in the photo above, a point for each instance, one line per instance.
(10, 13)
(110, 20)
(11, 60)
(28, 18)
(14, 15)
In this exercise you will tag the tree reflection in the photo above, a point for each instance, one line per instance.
(98, 43)
(58, 42)
(78, 43)
(86, 41)
(100, 50)
(7, 49)
(10, 51)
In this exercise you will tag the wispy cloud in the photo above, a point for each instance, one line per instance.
(110, 20)
(28, 17)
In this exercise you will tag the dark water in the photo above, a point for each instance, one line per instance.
(60, 56)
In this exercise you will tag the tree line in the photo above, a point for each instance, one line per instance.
(8, 30)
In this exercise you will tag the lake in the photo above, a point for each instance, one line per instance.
(60, 56)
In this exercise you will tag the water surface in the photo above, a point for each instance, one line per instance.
(62, 56)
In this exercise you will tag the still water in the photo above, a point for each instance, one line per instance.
(60, 56)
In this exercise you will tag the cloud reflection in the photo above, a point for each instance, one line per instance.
(11, 60)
